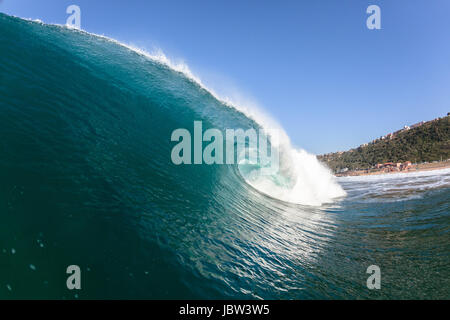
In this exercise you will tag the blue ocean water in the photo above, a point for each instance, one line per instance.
(86, 178)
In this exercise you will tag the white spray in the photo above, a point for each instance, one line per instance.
(301, 179)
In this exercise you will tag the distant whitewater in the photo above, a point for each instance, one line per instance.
(86, 178)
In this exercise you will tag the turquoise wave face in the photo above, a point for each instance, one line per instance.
(86, 178)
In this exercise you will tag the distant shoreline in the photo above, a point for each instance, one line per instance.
(420, 167)
(394, 152)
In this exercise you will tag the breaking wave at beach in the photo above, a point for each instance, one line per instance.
(86, 177)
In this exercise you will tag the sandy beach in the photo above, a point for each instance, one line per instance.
(413, 168)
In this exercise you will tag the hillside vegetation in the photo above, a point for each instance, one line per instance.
(425, 143)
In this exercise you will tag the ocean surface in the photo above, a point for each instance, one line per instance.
(86, 179)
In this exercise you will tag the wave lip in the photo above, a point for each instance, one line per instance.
(302, 179)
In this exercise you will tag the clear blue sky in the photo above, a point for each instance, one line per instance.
(312, 64)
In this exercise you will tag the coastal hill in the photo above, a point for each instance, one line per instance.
(422, 142)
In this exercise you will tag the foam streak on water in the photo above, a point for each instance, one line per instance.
(395, 186)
